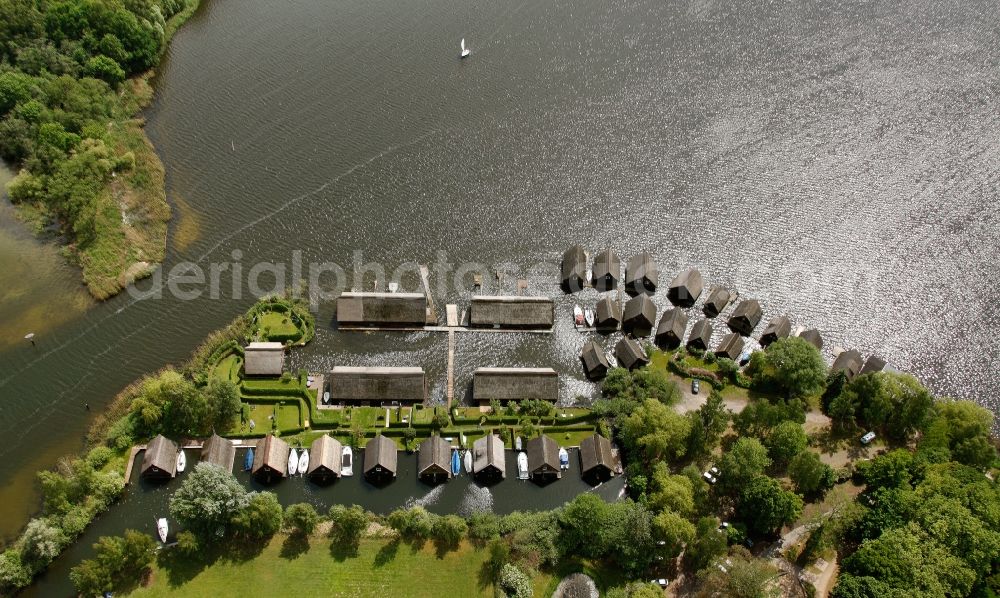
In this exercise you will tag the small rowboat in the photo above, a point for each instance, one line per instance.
(162, 529)
(522, 466)
(563, 459)
(303, 462)
(248, 460)
(181, 461)
(293, 462)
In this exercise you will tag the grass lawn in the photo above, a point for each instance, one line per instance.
(228, 369)
(278, 324)
(260, 413)
(380, 569)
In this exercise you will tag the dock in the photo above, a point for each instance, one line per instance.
(425, 281)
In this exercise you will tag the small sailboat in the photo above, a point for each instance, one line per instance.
(588, 315)
(248, 460)
(468, 461)
(162, 529)
(563, 459)
(303, 462)
(465, 51)
(517, 442)
(293, 462)
(578, 319)
(522, 466)
(347, 462)
(456, 463)
(181, 461)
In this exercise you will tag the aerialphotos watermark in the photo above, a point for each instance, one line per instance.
(319, 281)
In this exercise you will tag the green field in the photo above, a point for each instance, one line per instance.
(278, 325)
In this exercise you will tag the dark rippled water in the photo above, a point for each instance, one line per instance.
(837, 161)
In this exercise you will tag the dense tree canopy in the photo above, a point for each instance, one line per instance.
(744, 461)
(208, 499)
(765, 506)
(656, 431)
(791, 365)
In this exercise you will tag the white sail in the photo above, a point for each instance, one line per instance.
(463, 44)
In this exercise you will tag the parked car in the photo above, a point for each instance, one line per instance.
(660, 582)
(868, 438)
(695, 386)
(709, 478)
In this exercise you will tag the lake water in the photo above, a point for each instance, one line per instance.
(836, 161)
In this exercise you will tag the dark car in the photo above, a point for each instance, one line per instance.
(695, 386)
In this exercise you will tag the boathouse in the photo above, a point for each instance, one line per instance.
(377, 386)
(160, 458)
(701, 335)
(848, 362)
(574, 269)
(873, 364)
(670, 331)
(641, 275)
(778, 327)
(514, 384)
(434, 460)
(381, 309)
(640, 316)
(597, 462)
(270, 459)
(325, 459)
(731, 346)
(488, 460)
(595, 362)
(813, 336)
(745, 317)
(685, 288)
(609, 315)
(717, 301)
(511, 311)
(630, 354)
(263, 359)
(543, 459)
(607, 270)
(219, 452)
(380, 460)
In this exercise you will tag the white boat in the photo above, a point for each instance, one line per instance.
(161, 529)
(347, 462)
(393, 287)
(461, 439)
(293, 462)
(517, 442)
(563, 459)
(467, 461)
(522, 466)
(588, 315)
(181, 461)
(303, 462)
(578, 315)
(465, 51)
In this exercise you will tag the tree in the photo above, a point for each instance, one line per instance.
(891, 470)
(765, 506)
(785, 441)
(962, 430)
(746, 459)
(709, 543)
(513, 583)
(894, 402)
(224, 403)
(708, 423)
(117, 561)
(656, 431)
(105, 69)
(348, 525)
(796, 367)
(449, 530)
(671, 492)
(301, 518)
(674, 531)
(41, 542)
(759, 418)
(581, 525)
(208, 499)
(260, 518)
(743, 577)
(809, 474)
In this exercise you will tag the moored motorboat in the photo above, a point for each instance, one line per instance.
(347, 462)
(456, 463)
(517, 442)
(248, 460)
(162, 529)
(181, 461)
(563, 458)
(588, 315)
(522, 466)
(303, 462)
(468, 461)
(293, 462)
(578, 319)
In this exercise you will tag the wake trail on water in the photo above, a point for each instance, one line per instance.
(428, 499)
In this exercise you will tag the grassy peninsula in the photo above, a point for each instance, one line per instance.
(73, 76)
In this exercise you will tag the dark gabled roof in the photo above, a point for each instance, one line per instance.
(326, 452)
(515, 384)
(271, 452)
(435, 452)
(382, 308)
(160, 457)
(380, 451)
(404, 384)
(488, 452)
(813, 336)
(511, 311)
(595, 451)
(717, 300)
(672, 325)
(873, 364)
(745, 317)
(685, 288)
(849, 362)
(778, 328)
(731, 346)
(640, 309)
(219, 451)
(595, 362)
(574, 268)
(642, 273)
(701, 334)
(263, 359)
(630, 354)
(607, 270)
(542, 451)
(609, 313)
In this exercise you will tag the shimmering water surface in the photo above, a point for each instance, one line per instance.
(837, 161)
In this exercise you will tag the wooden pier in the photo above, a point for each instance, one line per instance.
(425, 281)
